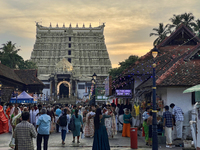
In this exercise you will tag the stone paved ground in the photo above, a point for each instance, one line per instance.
(117, 143)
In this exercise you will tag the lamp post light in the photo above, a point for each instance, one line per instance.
(0, 91)
(94, 76)
(154, 52)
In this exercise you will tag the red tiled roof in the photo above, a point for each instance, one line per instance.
(181, 27)
(28, 76)
(9, 73)
(169, 59)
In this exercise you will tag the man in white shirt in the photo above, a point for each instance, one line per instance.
(179, 118)
(33, 116)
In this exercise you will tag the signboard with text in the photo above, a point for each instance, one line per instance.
(125, 93)
(100, 93)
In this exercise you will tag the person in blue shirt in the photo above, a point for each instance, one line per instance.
(43, 126)
(58, 112)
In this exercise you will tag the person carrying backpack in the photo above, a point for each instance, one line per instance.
(63, 122)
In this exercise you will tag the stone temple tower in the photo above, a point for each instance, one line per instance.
(82, 49)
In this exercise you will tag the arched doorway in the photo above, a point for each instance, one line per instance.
(63, 89)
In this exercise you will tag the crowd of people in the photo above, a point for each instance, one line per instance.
(97, 122)
(169, 120)
(39, 121)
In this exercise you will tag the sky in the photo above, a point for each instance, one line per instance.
(128, 23)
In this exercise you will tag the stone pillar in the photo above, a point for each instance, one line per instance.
(70, 90)
(76, 92)
(56, 83)
(51, 89)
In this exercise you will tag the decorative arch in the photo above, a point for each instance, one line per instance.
(65, 82)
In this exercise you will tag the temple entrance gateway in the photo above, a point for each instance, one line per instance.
(63, 89)
(67, 61)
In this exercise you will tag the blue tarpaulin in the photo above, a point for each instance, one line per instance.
(22, 98)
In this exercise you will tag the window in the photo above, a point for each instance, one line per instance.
(70, 38)
(69, 52)
(193, 98)
(81, 86)
(69, 45)
(69, 60)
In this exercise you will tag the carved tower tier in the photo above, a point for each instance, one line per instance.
(83, 47)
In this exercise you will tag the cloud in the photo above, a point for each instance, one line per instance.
(128, 22)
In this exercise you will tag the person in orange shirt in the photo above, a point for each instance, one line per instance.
(3, 121)
(8, 116)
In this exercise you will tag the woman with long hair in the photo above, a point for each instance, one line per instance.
(15, 119)
(100, 135)
(126, 125)
(89, 124)
(78, 125)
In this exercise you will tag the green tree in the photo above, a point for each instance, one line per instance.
(162, 32)
(176, 21)
(187, 19)
(29, 65)
(10, 58)
(122, 66)
(196, 26)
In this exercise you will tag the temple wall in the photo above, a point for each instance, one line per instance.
(84, 47)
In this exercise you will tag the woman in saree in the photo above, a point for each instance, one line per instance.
(100, 141)
(89, 124)
(110, 123)
(15, 119)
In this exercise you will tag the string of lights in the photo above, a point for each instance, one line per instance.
(123, 81)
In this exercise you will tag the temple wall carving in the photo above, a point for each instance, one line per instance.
(84, 47)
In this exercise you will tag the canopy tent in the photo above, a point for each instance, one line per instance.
(22, 98)
(195, 88)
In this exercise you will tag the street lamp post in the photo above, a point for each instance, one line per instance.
(94, 97)
(94, 77)
(154, 52)
(0, 91)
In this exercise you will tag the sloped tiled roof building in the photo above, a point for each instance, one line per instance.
(177, 68)
(177, 63)
(22, 79)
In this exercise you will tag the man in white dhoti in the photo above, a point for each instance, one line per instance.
(33, 115)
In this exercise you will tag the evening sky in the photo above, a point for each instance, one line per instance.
(128, 22)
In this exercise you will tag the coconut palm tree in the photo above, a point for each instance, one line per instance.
(196, 27)
(176, 21)
(187, 19)
(9, 56)
(162, 32)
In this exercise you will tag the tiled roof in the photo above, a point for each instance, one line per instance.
(176, 72)
(184, 74)
(178, 30)
(29, 76)
(9, 73)
(166, 56)
(174, 66)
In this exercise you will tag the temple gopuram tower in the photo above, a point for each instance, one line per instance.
(67, 57)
